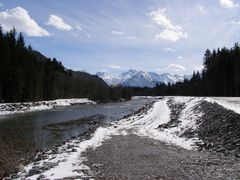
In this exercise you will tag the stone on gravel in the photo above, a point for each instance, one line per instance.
(34, 170)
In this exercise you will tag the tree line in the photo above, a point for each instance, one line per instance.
(220, 77)
(27, 75)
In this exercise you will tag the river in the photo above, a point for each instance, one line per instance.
(49, 127)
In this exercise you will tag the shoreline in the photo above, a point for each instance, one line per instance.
(49, 159)
(24, 107)
(178, 122)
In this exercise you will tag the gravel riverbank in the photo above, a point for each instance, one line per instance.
(12, 108)
(134, 157)
(216, 155)
(169, 138)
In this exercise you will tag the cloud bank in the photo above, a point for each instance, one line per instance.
(176, 67)
(19, 18)
(113, 66)
(229, 4)
(170, 32)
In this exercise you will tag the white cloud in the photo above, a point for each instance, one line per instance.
(78, 27)
(75, 34)
(202, 9)
(171, 32)
(89, 35)
(160, 18)
(131, 37)
(180, 57)
(176, 67)
(122, 34)
(229, 4)
(235, 22)
(113, 66)
(158, 70)
(198, 68)
(118, 33)
(171, 35)
(169, 50)
(20, 19)
(58, 23)
(1, 4)
(149, 26)
(103, 70)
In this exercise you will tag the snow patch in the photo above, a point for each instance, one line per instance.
(188, 117)
(160, 114)
(71, 164)
(12, 108)
(230, 103)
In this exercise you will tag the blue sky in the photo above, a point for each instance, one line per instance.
(117, 35)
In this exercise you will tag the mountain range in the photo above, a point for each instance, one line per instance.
(134, 78)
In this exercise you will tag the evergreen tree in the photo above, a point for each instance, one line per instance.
(27, 75)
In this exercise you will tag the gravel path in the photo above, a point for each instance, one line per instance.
(134, 157)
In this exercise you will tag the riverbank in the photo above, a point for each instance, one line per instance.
(199, 139)
(50, 130)
(173, 128)
(134, 157)
(63, 161)
(12, 108)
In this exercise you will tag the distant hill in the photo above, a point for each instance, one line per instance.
(133, 78)
(28, 75)
(90, 77)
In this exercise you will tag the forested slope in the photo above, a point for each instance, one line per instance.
(27, 75)
(220, 77)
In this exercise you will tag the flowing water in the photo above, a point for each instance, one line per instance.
(45, 128)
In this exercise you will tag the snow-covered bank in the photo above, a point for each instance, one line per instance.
(11, 108)
(68, 162)
(231, 103)
(159, 114)
(187, 122)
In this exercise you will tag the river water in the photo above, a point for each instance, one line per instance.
(49, 127)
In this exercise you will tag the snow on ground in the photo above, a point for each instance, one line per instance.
(160, 114)
(144, 97)
(71, 164)
(188, 116)
(11, 108)
(188, 121)
(231, 103)
(148, 126)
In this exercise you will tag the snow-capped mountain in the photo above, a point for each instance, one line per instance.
(140, 79)
(127, 75)
(133, 78)
(110, 79)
